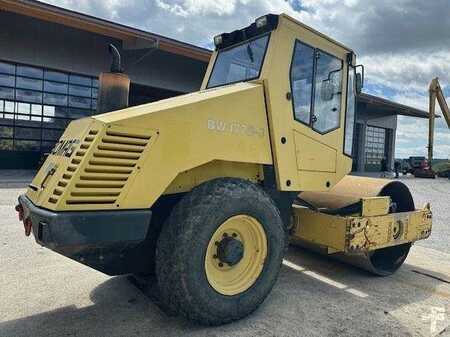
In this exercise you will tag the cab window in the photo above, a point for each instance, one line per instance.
(351, 111)
(242, 62)
(316, 84)
(328, 91)
(302, 72)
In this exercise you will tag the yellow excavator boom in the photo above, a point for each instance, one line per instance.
(436, 93)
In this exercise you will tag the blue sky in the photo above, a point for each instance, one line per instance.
(402, 43)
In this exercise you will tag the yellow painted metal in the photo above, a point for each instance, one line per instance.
(325, 163)
(435, 93)
(44, 183)
(128, 159)
(101, 170)
(187, 180)
(348, 191)
(185, 133)
(320, 229)
(275, 75)
(233, 280)
(375, 206)
(306, 151)
(241, 124)
(360, 234)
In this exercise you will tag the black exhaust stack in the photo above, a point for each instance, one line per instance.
(114, 86)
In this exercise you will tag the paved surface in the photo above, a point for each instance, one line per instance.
(436, 192)
(44, 294)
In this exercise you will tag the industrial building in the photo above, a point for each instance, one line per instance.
(51, 58)
(376, 126)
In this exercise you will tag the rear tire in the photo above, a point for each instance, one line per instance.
(192, 269)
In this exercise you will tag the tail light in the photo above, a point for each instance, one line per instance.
(27, 224)
(19, 210)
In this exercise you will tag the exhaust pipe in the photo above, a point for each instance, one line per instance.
(116, 64)
(114, 89)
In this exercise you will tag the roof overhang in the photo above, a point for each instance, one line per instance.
(50, 13)
(391, 107)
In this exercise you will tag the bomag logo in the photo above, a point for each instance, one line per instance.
(65, 147)
(236, 128)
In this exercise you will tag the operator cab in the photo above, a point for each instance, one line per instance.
(310, 84)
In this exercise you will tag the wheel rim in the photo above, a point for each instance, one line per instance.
(235, 255)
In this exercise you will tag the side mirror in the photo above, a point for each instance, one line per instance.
(359, 83)
(359, 79)
(326, 91)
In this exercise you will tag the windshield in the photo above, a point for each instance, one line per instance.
(239, 63)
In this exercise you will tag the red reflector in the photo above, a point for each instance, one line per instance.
(27, 224)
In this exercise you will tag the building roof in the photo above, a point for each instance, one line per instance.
(390, 106)
(93, 24)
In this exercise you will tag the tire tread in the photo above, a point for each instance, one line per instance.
(171, 255)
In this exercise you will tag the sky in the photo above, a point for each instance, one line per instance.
(403, 44)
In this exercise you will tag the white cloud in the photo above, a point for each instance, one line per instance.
(412, 133)
(408, 71)
(403, 44)
(200, 19)
(199, 7)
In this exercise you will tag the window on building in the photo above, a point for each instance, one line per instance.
(37, 104)
(375, 149)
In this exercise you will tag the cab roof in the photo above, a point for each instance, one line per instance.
(297, 22)
(272, 23)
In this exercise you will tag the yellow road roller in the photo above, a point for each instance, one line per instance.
(206, 190)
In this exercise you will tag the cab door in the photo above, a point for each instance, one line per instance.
(305, 81)
(317, 81)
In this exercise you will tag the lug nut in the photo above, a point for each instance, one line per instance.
(217, 243)
(225, 235)
(214, 256)
(220, 264)
(234, 235)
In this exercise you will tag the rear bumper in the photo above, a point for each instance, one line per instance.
(108, 241)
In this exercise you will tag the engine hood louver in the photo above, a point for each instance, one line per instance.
(101, 167)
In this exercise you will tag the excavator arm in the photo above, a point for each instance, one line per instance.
(436, 94)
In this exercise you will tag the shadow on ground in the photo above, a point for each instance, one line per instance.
(305, 302)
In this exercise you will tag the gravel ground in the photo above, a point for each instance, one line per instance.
(437, 193)
(44, 294)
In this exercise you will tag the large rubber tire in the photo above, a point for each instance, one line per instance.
(182, 245)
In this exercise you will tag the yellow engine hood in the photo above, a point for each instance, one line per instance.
(134, 154)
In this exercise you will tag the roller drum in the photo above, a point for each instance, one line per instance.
(382, 262)
(350, 190)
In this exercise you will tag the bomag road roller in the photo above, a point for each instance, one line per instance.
(205, 190)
